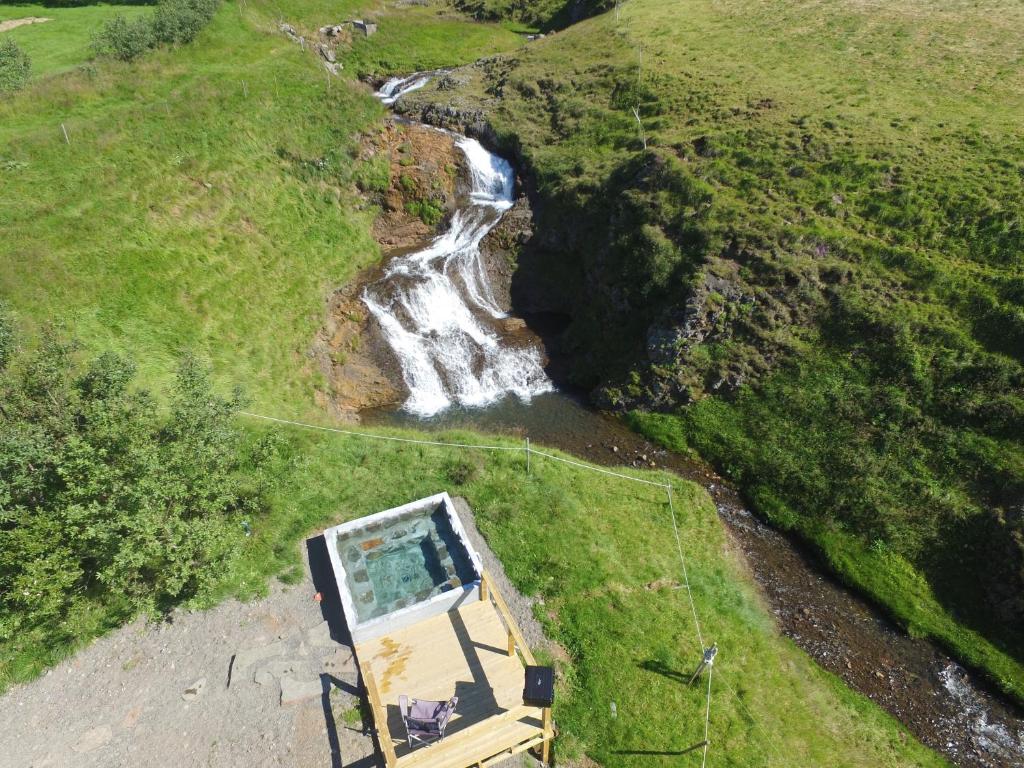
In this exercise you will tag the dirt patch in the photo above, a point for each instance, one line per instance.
(7, 26)
(423, 168)
(267, 683)
(207, 687)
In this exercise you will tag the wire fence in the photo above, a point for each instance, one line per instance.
(530, 452)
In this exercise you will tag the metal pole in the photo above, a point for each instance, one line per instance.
(707, 661)
(527, 455)
(66, 139)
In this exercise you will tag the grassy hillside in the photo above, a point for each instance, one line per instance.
(573, 538)
(205, 202)
(813, 271)
(63, 42)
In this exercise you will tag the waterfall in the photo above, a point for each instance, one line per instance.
(436, 307)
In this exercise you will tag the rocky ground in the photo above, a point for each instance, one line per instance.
(423, 169)
(266, 683)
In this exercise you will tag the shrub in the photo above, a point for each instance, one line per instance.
(173, 23)
(180, 21)
(106, 501)
(15, 66)
(123, 39)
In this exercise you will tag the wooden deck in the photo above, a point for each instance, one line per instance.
(473, 653)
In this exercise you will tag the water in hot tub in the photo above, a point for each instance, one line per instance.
(402, 561)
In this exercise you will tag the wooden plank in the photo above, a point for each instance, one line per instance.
(549, 733)
(506, 615)
(380, 719)
(463, 652)
(508, 734)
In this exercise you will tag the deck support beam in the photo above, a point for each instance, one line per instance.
(548, 735)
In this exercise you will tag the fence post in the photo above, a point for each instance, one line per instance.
(65, 130)
(527, 455)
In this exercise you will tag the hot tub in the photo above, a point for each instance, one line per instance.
(398, 567)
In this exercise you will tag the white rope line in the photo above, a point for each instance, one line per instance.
(598, 469)
(381, 437)
(707, 720)
(686, 578)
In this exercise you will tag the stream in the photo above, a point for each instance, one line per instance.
(438, 315)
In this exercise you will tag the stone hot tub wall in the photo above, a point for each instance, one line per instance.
(381, 625)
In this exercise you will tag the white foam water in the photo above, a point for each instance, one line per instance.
(436, 307)
(995, 739)
(396, 87)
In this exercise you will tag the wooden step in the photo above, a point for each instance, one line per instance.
(478, 745)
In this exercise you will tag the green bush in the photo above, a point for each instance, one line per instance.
(180, 21)
(174, 22)
(107, 503)
(123, 39)
(15, 66)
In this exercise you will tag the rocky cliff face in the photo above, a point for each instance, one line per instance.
(422, 169)
(656, 313)
(414, 179)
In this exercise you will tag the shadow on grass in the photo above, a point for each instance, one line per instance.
(653, 752)
(661, 668)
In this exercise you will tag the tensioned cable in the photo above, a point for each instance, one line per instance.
(598, 469)
(707, 720)
(686, 578)
(381, 437)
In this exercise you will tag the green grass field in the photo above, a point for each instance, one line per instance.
(573, 538)
(63, 42)
(193, 209)
(838, 188)
(205, 202)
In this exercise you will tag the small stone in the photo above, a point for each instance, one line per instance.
(245, 659)
(279, 669)
(320, 635)
(340, 663)
(195, 690)
(366, 598)
(361, 576)
(93, 739)
(294, 690)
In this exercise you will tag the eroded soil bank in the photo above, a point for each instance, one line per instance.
(412, 174)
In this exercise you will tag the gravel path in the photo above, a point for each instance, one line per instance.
(265, 683)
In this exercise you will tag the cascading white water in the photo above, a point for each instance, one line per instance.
(436, 308)
(399, 86)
